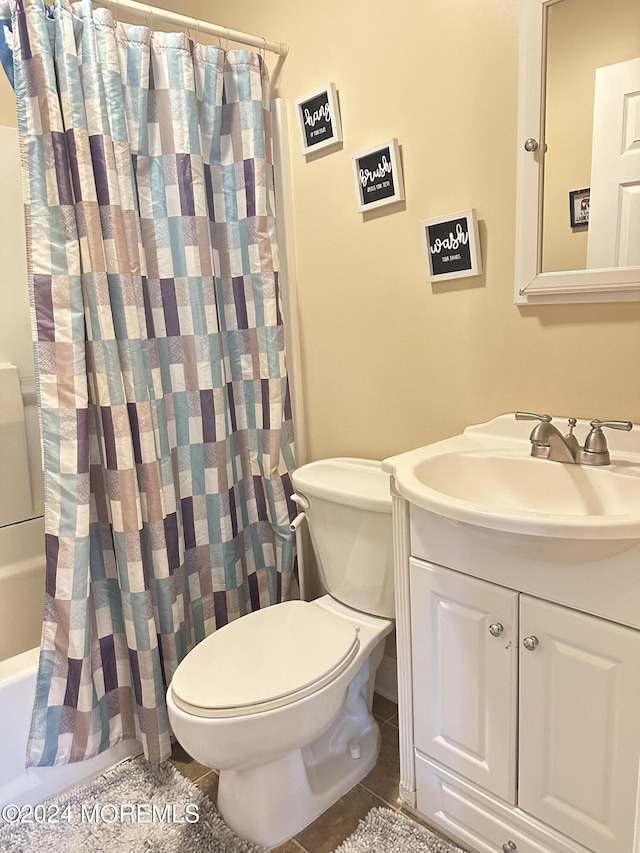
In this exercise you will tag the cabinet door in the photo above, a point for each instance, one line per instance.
(579, 728)
(465, 676)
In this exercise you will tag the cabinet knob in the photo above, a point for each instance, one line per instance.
(509, 847)
(531, 145)
(496, 629)
(530, 643)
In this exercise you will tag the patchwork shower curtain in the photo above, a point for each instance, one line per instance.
(166, 425)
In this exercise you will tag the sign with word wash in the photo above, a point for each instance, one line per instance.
(451, 246)
(319, 119)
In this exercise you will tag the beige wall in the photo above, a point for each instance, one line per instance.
(390, 361)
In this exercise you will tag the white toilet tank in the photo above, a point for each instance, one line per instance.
(349, 516)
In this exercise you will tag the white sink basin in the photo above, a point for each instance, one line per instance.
(486, 477)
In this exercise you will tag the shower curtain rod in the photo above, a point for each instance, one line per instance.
(186, 21)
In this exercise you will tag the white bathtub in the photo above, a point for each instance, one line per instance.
(21, 586)
(21, 600)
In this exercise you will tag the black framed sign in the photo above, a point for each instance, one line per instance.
(319, 119)
(377, 173)
(579, 203)
(451, 246)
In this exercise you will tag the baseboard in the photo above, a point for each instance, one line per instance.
(387, 679)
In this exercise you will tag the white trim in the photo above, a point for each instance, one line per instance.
(401, 553)
(285, 225)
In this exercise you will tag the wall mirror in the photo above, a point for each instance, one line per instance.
(578, 202)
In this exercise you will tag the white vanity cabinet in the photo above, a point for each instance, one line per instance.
(579, 724)
(465, 677)
(532, 704)
(518, 640)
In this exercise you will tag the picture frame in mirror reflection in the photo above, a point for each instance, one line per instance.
(451, 246)
(579, 201)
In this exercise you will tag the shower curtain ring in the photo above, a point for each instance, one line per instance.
(196, 21)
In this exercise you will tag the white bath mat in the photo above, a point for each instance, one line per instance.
(140, 807)
(137, 807)
(386, 831)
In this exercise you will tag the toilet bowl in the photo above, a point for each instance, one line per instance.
(279, 702)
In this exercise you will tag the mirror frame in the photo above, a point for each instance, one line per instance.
(533, 287)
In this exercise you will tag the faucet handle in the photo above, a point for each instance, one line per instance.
(596, 451)
(625, 425)
(530, 416)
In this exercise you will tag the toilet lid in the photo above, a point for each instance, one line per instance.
(264, 660)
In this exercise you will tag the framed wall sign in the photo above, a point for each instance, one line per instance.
(319, 119)
(377, 173)
(579, 201)
(451, 246)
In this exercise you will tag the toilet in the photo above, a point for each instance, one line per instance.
(279, 701)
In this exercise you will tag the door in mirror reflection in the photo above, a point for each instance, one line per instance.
(614, 219)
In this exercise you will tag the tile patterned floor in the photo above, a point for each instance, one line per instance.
(379, 788)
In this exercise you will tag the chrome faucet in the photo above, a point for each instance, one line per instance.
(547, 442)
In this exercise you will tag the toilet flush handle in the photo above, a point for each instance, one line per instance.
(303, 503)
(297, 521)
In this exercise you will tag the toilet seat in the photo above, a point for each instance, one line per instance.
(265, 660)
